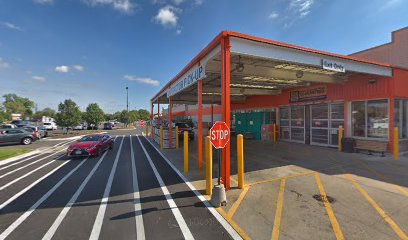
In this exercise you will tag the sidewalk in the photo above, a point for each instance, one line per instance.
(288, 187)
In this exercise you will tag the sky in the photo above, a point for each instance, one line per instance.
(91, 50)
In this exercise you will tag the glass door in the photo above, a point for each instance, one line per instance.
(284, 123)
(297, 124)
(336, 119)
(319, 124)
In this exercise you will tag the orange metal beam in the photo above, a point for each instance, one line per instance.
(200, 123)
(170, 123)
(225, 103)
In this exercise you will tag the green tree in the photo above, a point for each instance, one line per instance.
(94, 114)
(3, 115)
(124, 117)
(144, 114)
(68, 114)
(109, 116)
(16, 104)
(133, 116)
(48, 112)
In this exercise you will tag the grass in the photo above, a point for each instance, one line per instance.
(12, 152)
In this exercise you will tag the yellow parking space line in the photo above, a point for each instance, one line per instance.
(384, 178)
(233, 224)
(233, 179)
(279, 178)
(379, 210)
(278, 213)
(330, 213)
(236, 204)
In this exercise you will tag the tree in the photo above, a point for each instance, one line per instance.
(94, 114)
(133, 116)
(48, 112)
(3, 115)
(15, 104)
(68, 114)
(124, 117)
(109, 116)
(144, 114)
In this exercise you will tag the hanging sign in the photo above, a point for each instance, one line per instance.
(308, 94)
(188, 79)
(333, 66)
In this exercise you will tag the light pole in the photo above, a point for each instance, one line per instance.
(127, 99)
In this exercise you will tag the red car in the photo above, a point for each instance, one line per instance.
(141, 123)
(90, 145)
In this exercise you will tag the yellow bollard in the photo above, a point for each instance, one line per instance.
(340, 138)
(177, 138)
(274, 132)
(161, 137)
(208, 165)
(185, 152)
(147, 129)
(240, 155)
(396, 144)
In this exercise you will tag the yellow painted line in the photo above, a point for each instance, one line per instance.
(279, 178)
(330, 213)
(384, 178)
(233, 179)
(233, 224)
(278, 213)
(236, 204)
(379, 210)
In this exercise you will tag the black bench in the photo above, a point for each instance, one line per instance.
(371, 146)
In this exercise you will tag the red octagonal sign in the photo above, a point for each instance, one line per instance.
(220, 134)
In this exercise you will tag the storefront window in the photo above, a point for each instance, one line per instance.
(370, 119)
(377, 119)
(358, 119)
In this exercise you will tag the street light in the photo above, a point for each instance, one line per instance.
(127, 99)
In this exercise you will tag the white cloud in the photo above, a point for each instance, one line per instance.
(44, 1)
(178, 2)
(79, 68)
(11, 26)
(39, 78)
(301, 7)
(62, 69)
(125, 6)
(142, 80)
(167, 16)
(273, 15)
(4, 64)
(178, 31)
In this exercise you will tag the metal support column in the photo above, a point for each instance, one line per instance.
(225, 103)
(200, 123)
(170, 124)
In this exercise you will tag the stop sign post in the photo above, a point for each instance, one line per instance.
(219, 136)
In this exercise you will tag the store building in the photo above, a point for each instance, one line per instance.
(249, 82)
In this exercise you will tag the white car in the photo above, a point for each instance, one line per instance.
(50, 125)
(79, 127)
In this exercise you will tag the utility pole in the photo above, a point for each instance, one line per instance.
(127, 105)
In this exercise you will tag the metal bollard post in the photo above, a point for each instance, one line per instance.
(274, 132)
(177, 138)
(185, 152)
(240, 155)
(208, 165)
(340, 138)
(396, 144)
(161, 137)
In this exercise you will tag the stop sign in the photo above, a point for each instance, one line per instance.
(219, 134)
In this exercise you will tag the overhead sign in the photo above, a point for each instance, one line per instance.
(219, 135)
(333, 66)
(188, 79)
(308, 94)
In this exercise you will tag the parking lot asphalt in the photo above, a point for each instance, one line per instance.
(130, 192)
(296, 191)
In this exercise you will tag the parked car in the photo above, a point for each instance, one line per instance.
(21, 123)
(141, 123)
(17, 136)
(182, 127)
(108, 126)
(43, 132)
(50, 125)
(79, 127)
(90, 145)
(34, 130)
(4, 126)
